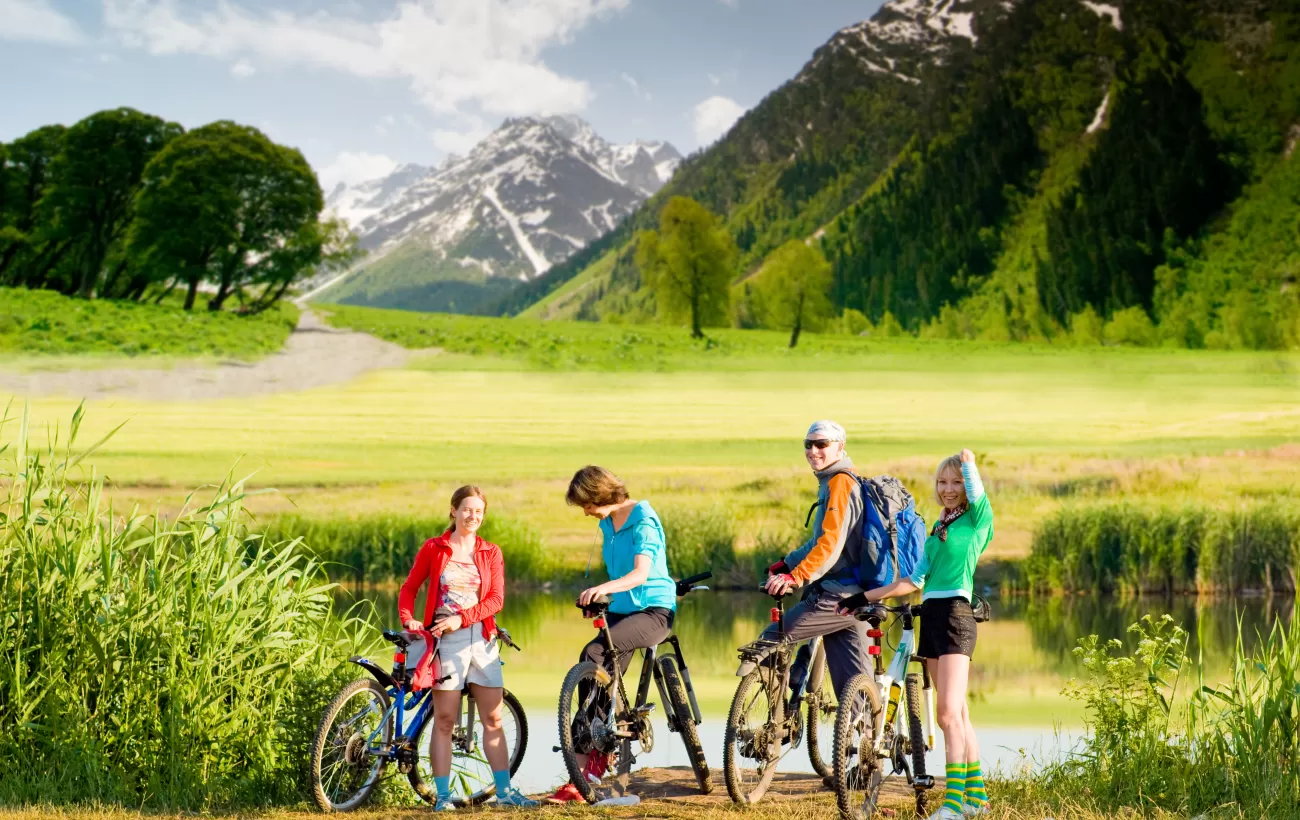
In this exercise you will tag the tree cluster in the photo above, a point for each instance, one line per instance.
(125, 205)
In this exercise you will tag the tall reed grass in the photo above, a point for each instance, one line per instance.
(381, 548)
(1158, 742)
(154, 662)
(1123, 547)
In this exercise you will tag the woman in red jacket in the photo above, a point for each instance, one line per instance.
(466, 576)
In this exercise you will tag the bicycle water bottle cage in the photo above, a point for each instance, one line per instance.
(752, 654)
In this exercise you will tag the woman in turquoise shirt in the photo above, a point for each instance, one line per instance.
(643, 595)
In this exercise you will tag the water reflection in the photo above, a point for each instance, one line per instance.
(1023, 658)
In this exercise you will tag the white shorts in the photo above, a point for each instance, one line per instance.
(463, 657)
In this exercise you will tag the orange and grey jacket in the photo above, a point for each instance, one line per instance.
(832, 555)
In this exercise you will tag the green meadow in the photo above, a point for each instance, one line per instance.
(715, 430)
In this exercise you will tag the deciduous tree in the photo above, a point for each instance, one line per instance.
(687, 264)
(792, 288)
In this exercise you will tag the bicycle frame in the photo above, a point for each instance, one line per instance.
(889, 680)
(649, 670)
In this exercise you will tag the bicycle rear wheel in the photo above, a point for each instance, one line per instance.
(858, 773)
(681, 710)
(344, 770)
(586, 724)
(471, 774)
(821, 703)
(753, 736)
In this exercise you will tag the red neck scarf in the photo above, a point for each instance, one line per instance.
(949, 516)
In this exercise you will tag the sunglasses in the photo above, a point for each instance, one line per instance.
(820, 444)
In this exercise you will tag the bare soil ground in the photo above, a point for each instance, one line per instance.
(314, 356)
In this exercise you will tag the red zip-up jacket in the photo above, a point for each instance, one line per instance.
(432, 559)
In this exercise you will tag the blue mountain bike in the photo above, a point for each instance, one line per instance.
(378, 721)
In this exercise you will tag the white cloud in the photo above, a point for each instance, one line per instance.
(38, 21)
(243, 68)
(714, 117)
(351, 168)
(459, 140)
(458, 55)
(635, 86)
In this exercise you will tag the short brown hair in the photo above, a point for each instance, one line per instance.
(595, 487)
(950, 464)
(458, 498)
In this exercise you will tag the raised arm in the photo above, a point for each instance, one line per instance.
(975, 495)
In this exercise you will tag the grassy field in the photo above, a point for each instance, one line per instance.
(722, 432)
(41, 328)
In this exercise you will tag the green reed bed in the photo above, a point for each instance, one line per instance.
(380, 549)
(1124, 547)
(1158, 741)
(152, 662)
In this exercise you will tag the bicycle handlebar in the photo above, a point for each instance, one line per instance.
(688, 584)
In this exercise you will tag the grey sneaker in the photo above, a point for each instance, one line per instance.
(444, 804)
(512, 797)
(968, 810)
(945, 813)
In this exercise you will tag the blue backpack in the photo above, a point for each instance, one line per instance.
(893, 532)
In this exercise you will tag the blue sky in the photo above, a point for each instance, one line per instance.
(359, 85)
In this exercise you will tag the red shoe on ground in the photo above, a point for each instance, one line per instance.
(566, 794)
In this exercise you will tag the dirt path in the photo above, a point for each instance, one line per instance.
(677, 785)
(315, 355)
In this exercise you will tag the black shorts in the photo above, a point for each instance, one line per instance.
(947, 628)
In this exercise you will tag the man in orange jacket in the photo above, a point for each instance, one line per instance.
(826, 565)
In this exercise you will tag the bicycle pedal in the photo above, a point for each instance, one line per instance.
(923, 782)
(645, 709)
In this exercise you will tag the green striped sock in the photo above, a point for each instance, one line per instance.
(975, 794)
(953, 797)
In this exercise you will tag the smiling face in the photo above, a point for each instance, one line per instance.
(821, 453)
(949, 488)
(468, 517)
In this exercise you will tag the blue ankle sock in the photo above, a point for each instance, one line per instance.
(502, 780)
(443, 784)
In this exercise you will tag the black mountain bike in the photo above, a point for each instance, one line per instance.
(377, 721)
(764, 724)
(596, 714)
(885, 716)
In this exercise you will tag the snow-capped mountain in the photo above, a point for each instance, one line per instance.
(529, 195)
(357, 203)
(906, 34)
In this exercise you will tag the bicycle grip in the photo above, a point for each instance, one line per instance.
(695, 579)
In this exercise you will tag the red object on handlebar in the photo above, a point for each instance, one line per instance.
(874, 649)
(599, 623)
(875, 633)
(776, 614)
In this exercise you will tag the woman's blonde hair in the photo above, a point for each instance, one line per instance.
(594, 486)
(458, 498)
(949, 464)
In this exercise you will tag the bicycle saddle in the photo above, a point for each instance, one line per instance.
(398, 638)
(596, 608)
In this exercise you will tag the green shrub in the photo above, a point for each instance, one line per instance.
(1086, 327)
(1131, 326)
(699, 540)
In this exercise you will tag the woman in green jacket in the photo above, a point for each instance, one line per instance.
(946, 576)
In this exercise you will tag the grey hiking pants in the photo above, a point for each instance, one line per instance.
(628, 633)
(845, 637)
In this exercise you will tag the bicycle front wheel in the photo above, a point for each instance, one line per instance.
(822, 705)
(344, 766)
(753, 736)
(681, 711)
(858, 773)
(471, 774)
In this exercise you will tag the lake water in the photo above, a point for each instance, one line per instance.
(1023, 658)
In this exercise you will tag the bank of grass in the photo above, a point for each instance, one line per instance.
(162, 663)
(42, 323)
(1126, 547)
(478, 342)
